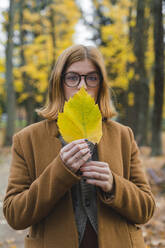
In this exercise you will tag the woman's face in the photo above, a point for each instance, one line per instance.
(83, 67)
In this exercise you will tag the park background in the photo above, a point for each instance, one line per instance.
(130, 35)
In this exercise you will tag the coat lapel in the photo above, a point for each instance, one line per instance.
(52, 128)
(109, 148)
(49, 147)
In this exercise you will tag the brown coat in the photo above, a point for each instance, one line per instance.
(38, 194)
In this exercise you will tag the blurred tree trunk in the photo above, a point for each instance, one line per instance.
(130, 114)
(30, 110)
(53, 36)
(10, 103)
(140, 85)
(29, 102)
(158, 77)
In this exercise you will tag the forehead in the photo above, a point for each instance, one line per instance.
(83, 66)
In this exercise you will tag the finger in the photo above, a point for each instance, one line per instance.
(95, 182)
(85, 158)
(95, 169)
(96, 175)
(96, 163)
(76, 165)
(72, 144)
(105, 186)
(78, 156)
(77, 148)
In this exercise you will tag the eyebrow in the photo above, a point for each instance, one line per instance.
(83, 74)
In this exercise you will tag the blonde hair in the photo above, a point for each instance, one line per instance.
(56, 98)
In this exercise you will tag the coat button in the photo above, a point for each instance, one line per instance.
(87, 202)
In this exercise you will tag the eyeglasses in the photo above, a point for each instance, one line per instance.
(72, 79)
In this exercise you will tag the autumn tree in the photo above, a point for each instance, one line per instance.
(158, 77)
(44, 32)
(139, 84)
(109, 23)
(10, 98)
(121, 29)
(29, 102)
(2, 90)
(118, 54)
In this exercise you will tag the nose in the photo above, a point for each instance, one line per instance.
(82, 83)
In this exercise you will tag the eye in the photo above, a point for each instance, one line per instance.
(71, 77)
(93, 77)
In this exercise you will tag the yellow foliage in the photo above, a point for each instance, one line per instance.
(23, 97)
(81, 118)
(2, 79)
(43, 85)
(39, 98)
(33, 17)
(132, 23)
(40, 39)
(2, 67)
(150, 52)
(0, 111)
(118, 52)
(39, 49)
(29, 69)
(27, 14)
(27, 27)
(38, 28)
(131, 99)
(131, 74)
(2, 90)
(17, 73)
(18, 86)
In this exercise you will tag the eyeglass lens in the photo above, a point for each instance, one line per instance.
(72, 79)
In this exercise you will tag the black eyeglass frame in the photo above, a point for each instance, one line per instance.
(82, 75)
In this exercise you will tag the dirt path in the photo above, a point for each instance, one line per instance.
(9, 238)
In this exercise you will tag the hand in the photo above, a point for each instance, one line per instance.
(75, 154)
(99, 174)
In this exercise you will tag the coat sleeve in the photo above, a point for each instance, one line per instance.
(132, 198)
(26, 201)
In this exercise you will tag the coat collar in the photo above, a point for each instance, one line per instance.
(109, 147)
(52, 128)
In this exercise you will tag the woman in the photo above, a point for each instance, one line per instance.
(46, 189)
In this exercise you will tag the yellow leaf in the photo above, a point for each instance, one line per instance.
(81, 118)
